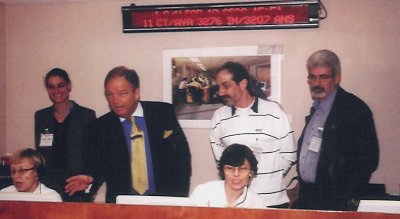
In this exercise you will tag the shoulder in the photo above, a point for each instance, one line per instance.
(106, 118)
(9, 189)
(223, 112)
(46, 190)
(269, 105)
(272, 108)
(155, 104)
(44, 111)
(82, 108)
(350, 101)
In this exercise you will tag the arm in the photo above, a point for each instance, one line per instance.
(90, 178)
(288, 144)
(367, 152)
(215, 140)
(183, 158)
(361, 145)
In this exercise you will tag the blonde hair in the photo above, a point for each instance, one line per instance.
(28, 153)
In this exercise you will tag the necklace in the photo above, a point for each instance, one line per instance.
(64, 112)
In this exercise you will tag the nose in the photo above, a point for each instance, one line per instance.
(15, 174)
(221, 91)
(315, 81)
(236, 171)
(112, 100)
(115, 100)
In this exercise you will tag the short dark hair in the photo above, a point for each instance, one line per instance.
(121, 71)
(57, 72)
(235, 155)
(239, 73)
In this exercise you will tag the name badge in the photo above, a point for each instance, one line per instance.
(315, 144)
(46, 140)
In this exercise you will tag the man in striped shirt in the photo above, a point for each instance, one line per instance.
(261, 125)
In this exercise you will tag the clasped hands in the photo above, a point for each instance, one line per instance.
(77, 183)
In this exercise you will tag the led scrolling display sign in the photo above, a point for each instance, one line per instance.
(222, 16)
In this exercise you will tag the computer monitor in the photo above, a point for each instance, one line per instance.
(30, 197)
(382, 206)
(155, 200)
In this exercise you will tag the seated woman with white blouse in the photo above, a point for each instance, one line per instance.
(26, 167)
(236, 168)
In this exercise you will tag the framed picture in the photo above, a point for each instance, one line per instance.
(188, 78)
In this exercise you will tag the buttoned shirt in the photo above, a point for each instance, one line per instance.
(308, 160)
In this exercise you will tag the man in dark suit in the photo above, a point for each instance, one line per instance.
(168, 158)
(338, 149)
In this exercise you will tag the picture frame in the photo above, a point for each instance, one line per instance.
(184, 69)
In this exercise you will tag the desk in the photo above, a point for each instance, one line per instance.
(40, 210)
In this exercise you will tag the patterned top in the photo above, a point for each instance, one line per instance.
(265, 128)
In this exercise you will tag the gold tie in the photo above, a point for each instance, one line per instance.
(138, 162)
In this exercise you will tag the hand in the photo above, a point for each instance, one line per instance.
(77, 183)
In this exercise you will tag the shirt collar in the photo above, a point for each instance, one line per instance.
(254, 106)
(327, 103)
(138, 112)
(242, 198)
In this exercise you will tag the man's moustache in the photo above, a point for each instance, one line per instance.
(318, 89)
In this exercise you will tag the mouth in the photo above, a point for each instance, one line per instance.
(236, 182)
(18, 184)
(118, 108)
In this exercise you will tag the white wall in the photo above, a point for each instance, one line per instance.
(2, 78)
(86, 39)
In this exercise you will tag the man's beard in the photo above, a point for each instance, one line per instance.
(226, 100)
(317, 92)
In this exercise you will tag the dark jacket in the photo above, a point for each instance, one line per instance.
(349, 155)
(110, 160)
(76, 146)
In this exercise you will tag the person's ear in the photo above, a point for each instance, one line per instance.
(69, 86)
(251, 174)
(243, 84)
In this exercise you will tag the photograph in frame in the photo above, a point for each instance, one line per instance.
(188, 79)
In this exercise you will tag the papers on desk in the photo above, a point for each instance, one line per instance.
(27, 196)
(382, 206)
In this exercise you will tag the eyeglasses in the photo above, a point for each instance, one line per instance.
(232, 169)
(311, 77)
(22, 171)
(54, 86)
